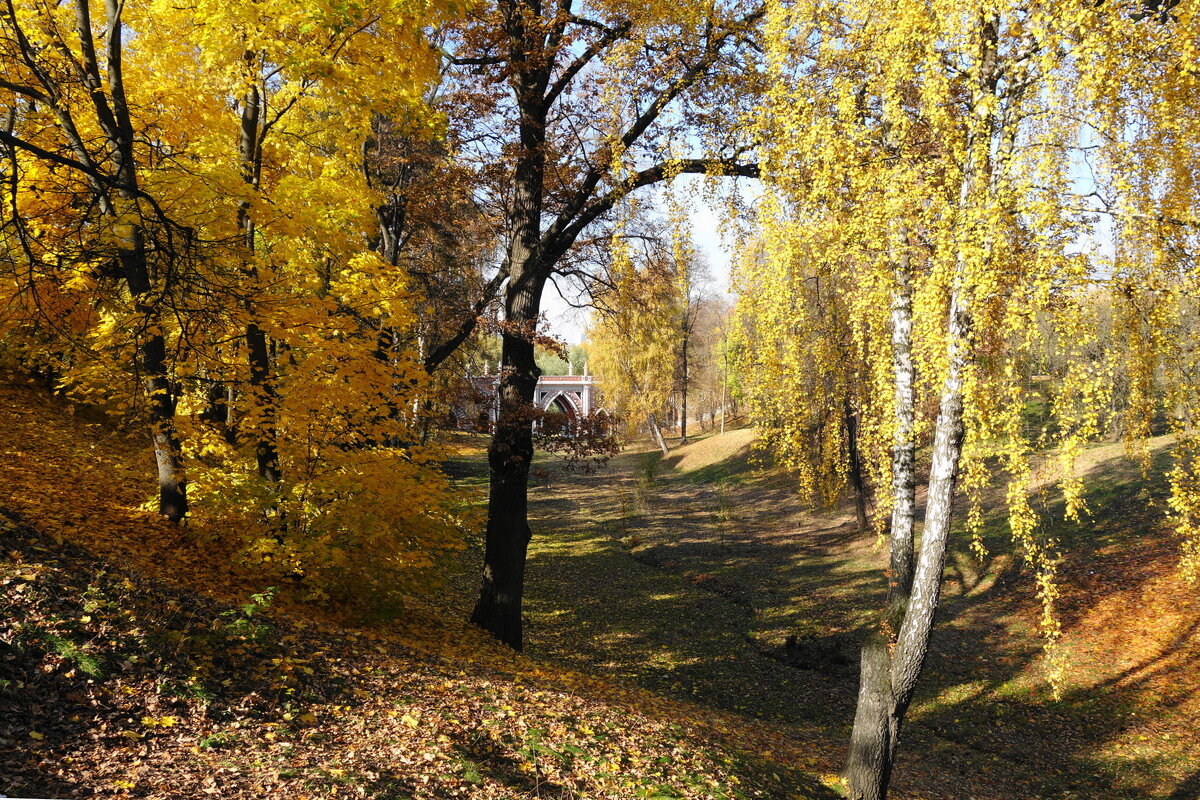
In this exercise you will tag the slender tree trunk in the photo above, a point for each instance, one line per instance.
(133, 255)
(684, 398)
(258, 351)
(262, 388)
(913, 594)
(858, 481)
(891, 668)
(168, 454)
(876, 722)
(656, 432)
(724, 383)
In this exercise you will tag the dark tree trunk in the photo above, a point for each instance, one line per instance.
(258, 349)
(262, 388)
(115, 120)
(683, 411)
(536, 36)
(858, 480)
(168, 457)
(498, 609)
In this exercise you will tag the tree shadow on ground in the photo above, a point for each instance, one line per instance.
(613, 587)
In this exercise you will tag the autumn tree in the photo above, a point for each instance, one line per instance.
(73, 137)
(433, 224)
(803, 373)
(1140, 95)
(920, 165)
(589, 106)
(635, 341)
(245, 194)
(707, 368)
(692, 290)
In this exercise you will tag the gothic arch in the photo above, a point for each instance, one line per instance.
(567, 402)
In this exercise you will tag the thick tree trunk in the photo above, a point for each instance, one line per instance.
(876, 723)
(535, 39)
(498, 609)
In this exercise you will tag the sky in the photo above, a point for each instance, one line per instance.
(569, 324)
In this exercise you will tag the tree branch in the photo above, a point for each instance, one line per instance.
(443, 351)
(93, 173)
(27, 91)
(566, 236)
(610, 35)
(596, 173)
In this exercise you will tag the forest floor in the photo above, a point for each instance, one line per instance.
(136, 662)
(685, 575)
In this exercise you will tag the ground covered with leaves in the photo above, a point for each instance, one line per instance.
(136, 660)
(134, 664)
(687, 574)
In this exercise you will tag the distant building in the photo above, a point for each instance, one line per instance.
(574, 396)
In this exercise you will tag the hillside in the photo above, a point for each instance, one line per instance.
(135, 663)
(686, 575)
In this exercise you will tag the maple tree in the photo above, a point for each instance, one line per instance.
(214, 177)
(68, 109)
(261, 230)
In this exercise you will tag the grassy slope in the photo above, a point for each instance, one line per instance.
(684, 574)
(127, 669)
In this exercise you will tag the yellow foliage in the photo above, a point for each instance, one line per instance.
(938, 146)
(361, 507)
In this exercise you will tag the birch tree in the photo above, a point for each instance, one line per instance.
(920, 165)
(635, 343)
